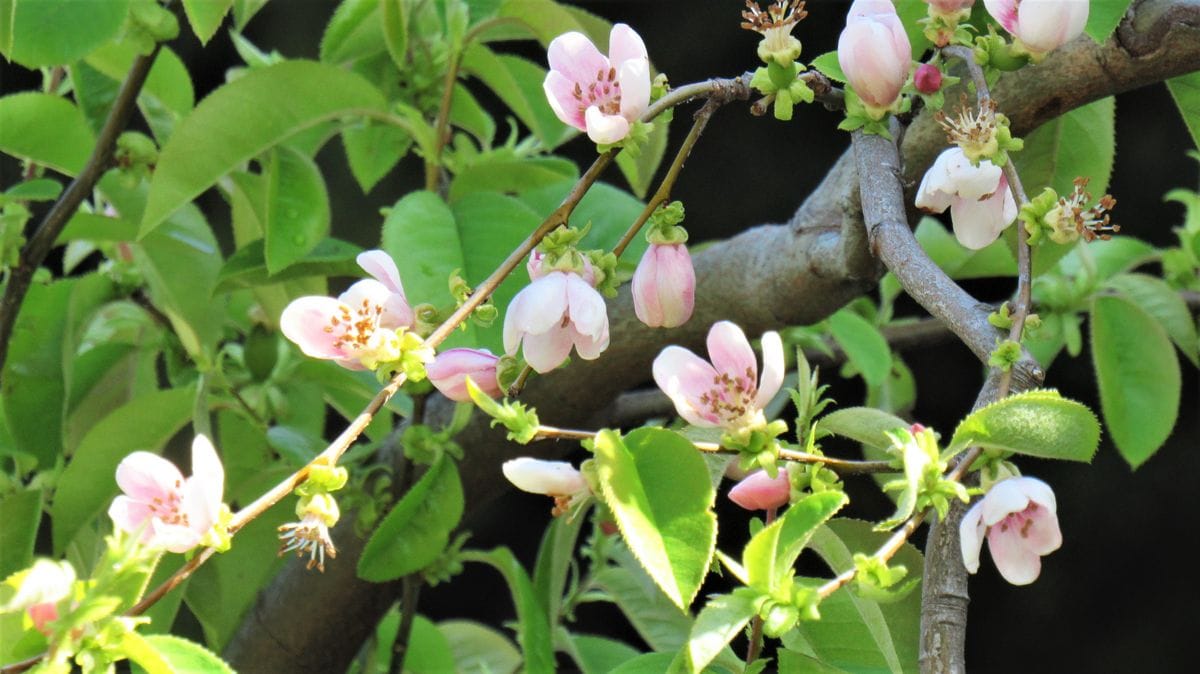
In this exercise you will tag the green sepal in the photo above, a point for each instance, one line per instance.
(521, 421)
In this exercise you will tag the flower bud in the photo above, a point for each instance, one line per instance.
(874, 53)
(759, 491)
(1041, 26)
(552, 478)
(449, 371)
(927, 79)
(664, 286)
(950, 8)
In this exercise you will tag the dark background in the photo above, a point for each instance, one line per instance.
(1117, 597)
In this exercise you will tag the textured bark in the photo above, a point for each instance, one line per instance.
(767, 277)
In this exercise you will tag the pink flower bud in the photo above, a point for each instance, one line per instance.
(759, 491)
(927, 79)
(1040, 25)
(664, 286)
(875, 53)
(552, 478)
(1018, 516)
(449, 371)
(600, 95)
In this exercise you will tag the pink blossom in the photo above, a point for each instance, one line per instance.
(874, 53)
(450, 369)
(949, 7)
(724, 393)
(556, 311)
(600, 95)
(167, 510)
(1018, 517)
(980, 203)
(552, 478)
(664, 286)
(759, 491)
(42, 589)
(1041, 25)
(359, 328)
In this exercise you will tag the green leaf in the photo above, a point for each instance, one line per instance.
(180, 261)
(658, 488)
(88, 483)
(353, 33)
(1035, 423)
(554, 560)
(1185, 89)
(1080, 143)
(1107, 258)
(865, 347)
(863, 424)
(94, 227)
(512, 175)
(428, 650)
(417, 529)
(533, 630)
(518, 83)
(830, 67)
(57, 32)
(479, 649)
(181, 656)
(297, 207)
(37, 189)
(18, 529)
(247, 268)
(960, 262)
(244, 10)
(467, 114)
(167, 95)
(1165, 305)
(245, 117)
(770, 555)
(1103, 18)
(854, 633)
(647, 663)
(1138, 375)
(657, 621)
(373, 149)
(45, 129)
(394, 16)
(33, 385)
(595, 655)
(548, 19)
(206, 16)
(719, 622)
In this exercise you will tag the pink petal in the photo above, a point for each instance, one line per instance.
(731, 353)
(1004, 12)
(970, 537)
(536, 308)
(644, 288)
(684, 377)
(773, 369)
(547, 350)
(625, 44)
(207, 468)
(560, 93)
(1039, 492)
(972, 182)
(634, 77)
(145, 477)
(605, 129)
(173, 537)
(304, 322)
(759, 491)
(450, 368)
(1014, 559)
(979, 223)
(1045, 25)
(573, 55)
(1004, 498)
(131, 516)
(381, 266)
(553, 478)
(589, 347)
(1043, 535)
(586, 306)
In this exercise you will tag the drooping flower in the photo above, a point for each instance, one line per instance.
(450, 369)
(664, 286)
(45, 585)
(759, 491)
(317, 512)
(167, 510)
(600, 95)
(558, 310)
(980, 203)
(557, 479)
(359, 329)
(874, 53)
(728, 392)
(1041, 26)
(1018, 517)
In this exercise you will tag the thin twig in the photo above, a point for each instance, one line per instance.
(43, 238)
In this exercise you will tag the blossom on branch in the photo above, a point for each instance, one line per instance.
(558, 310)
(1040, 26)
(980, 203)
(362, 327)
(167, 510)
(557, 479)
(875, 54)
(759, 491)
(728, 392)
(664, 286)
(1018, 516)
(601, 95)
(449, 371)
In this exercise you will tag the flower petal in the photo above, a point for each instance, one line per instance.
(605, 129)
(304, 322)
(1004, 498)
(772, 374)
(1014, 559)
(634, 77)
(970, 537)
(538, 307)
(553, 478)
(145, 476)
(759, 491)
(573, 55)
(731, 354)
(560, 93)
(586, 306)
(1004, 12)
(173, 537)
(589, 347)
(625, 44)
(382, 267)
(1039, 492)
(685, 377)
(206, 486)
(131, 516)
(977, 223)
(545, 351)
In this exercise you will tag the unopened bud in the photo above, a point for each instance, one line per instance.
(927, 79)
